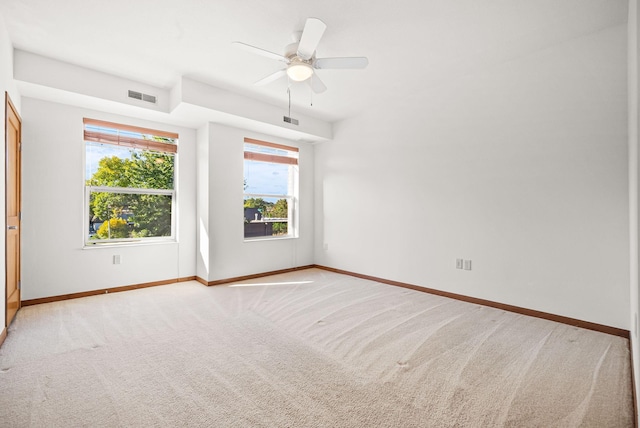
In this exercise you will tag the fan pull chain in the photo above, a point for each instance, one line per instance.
(289, 94)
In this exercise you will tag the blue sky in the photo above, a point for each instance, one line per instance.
(263, 177)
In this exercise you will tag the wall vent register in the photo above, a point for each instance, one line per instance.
(142, 97)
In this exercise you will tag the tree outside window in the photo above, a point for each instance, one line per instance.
(130, 184)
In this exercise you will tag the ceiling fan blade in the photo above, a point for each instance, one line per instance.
(316, 84)
(346, 62)
(311, 35)
(260, 51)
(270, 78)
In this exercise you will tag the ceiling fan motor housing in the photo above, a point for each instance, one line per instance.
(291, 50)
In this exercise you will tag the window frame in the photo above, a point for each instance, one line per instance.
(293, 185)
(137, 144)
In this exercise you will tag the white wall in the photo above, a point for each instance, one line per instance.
(54, 261)
(6, 85)
(202, 202)
(43, 71)
(229, 256)
(520, 167)
(238, 111)
(634, 188)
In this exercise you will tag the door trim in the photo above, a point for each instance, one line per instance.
(9, 106)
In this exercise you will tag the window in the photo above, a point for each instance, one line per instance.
(129, 183)
(270, 190)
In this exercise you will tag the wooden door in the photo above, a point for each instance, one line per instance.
(13, 126)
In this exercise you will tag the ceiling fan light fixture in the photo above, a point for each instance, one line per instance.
(299, 71)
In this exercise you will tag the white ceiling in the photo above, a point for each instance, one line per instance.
(412, 45)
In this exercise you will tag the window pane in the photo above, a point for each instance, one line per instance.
(266, 178)
(116, 166)
(270, 186)
(264, 216)
(126, 215)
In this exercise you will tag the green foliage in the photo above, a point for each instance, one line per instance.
(112, 172)
(151, 170)
(152, 215)
(269, 209)
(113, 228)
(279, 228)
(259, 203)
(149, 215)
(108, 205)
(279, 210)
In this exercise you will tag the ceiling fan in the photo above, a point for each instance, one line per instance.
(300, 58)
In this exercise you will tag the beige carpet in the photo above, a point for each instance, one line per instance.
(305, 349)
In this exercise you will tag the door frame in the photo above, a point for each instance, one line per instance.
(10, 106)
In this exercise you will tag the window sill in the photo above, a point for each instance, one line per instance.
(126, 244)
(270, 238)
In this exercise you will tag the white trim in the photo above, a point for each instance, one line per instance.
(131, 190)
(266, 195)
(270, 238)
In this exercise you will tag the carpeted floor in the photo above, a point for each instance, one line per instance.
(305, 349)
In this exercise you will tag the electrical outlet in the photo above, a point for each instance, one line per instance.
(459, 263)
(467, 265)
(116, 259)
(325, 247)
